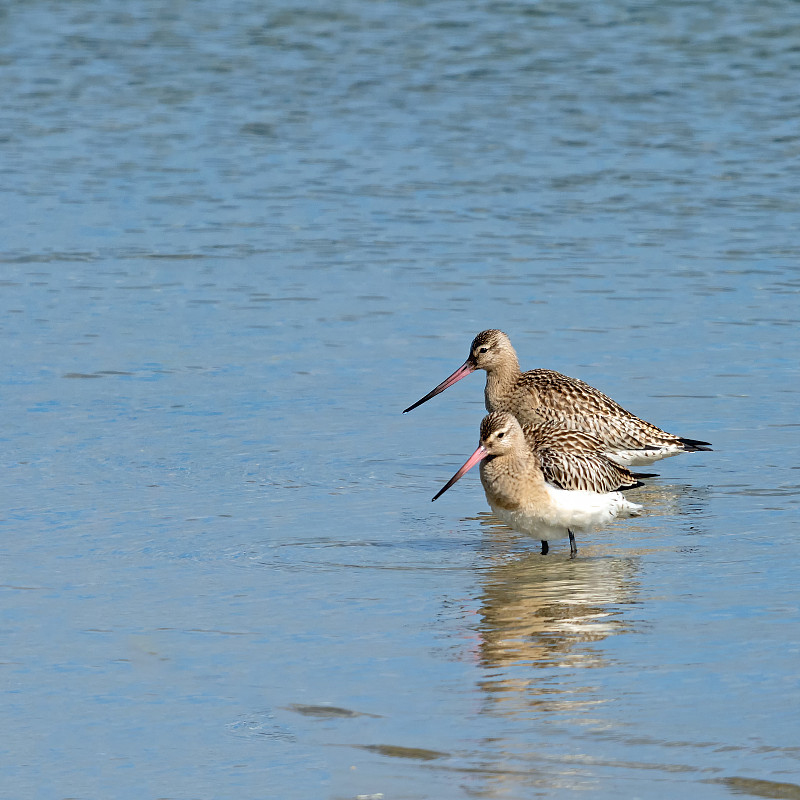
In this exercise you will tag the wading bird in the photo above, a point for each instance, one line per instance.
(521, 489)
(543, 395)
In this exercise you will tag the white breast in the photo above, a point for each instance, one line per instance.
(577, 511)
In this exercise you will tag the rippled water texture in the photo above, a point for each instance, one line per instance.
(239, 238)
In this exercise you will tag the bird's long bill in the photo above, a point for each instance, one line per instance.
(460, 373)
(477, 456)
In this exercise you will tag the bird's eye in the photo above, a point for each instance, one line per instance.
(483, 350)
(501, 434)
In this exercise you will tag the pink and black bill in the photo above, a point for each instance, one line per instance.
(474, 459)
(460, 373)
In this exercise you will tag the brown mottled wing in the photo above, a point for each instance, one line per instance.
(553, 435)
(618, 433)
(587, 471)
(572, 459)
(579, 406)
(560, 392)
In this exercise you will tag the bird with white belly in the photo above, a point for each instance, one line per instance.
(531, 495)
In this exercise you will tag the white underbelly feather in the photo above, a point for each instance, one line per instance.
(531, 523)
(642, 458)
(575, 511)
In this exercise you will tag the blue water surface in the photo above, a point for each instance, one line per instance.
(239, 238)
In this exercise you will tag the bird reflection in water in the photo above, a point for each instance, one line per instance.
(541, 619)
(543, 613)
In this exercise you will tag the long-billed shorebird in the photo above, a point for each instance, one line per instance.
(522, 494)
(543, 395)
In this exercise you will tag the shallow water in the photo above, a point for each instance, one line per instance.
(238, 242)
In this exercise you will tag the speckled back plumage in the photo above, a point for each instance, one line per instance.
(558, 393)
(574, 459)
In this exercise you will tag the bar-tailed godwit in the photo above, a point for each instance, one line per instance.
(543, 395)
(519, 495)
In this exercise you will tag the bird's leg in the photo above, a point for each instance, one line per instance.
(573, 548)
(545, 548)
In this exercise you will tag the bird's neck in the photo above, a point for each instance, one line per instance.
(501, 381)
